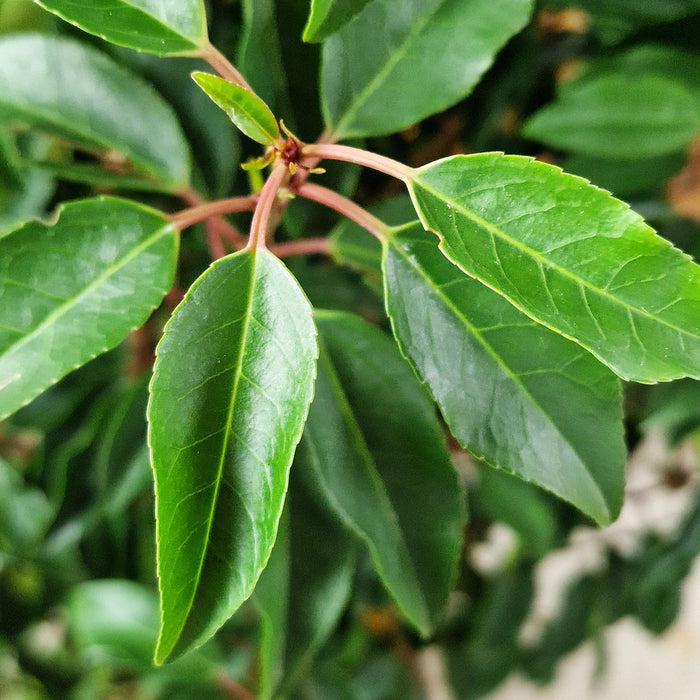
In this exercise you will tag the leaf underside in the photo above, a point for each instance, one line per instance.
(571, 257)
(232, 383)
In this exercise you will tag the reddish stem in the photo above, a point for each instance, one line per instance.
(266, 201)
(200, 212)
(344, 206)
(334, 151)
(305, 246)
(223, 66)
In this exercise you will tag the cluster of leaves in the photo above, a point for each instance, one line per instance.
(298, 415)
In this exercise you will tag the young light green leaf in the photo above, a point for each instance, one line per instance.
(245, 109)
(108, 109)
(75, 288)
(328, 16)
(231, 387)
(376, 68)
(571, 257)
(376, 452)
(615, 117)
(500, 378)
(163, 28)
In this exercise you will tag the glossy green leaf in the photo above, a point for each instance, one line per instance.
(328, 16)
(571, 257)
(232, 383)
(615, 117)
(376, 68)
(75, 288)
(245, 109)
(375, 449)
(164, 28)
(500, 378)
(108, 110)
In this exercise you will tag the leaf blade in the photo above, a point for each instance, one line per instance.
(110, 247)
(109, 109)
(374, 70)
(613, 116)
(165, 29)
(369, 415)
(241, 405)
(245, 109)
(600, 285)
(328, 16)
(494, 394)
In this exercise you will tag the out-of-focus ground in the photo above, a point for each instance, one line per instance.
(640, 666)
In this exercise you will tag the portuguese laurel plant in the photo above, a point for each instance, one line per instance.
(518, 298)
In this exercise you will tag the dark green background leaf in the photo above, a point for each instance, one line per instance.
(77, 93)
(163, 28)
(377, 454)
(501, 378)
(615, 116)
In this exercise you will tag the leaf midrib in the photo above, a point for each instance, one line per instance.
(111, 270)
(224, 445)
(503, 235)
(381, 75)
(514, 377)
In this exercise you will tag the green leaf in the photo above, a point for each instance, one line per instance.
(107, 110)
(500, 378)
(231, 387)
(612, 116)
(328, 16)
(571, 257)
(163, 28)
(115, 623)
(259, 57)
(306, 585)
(376, 451)
(271, 598)
(375, 69)
(321, 573)
(245, 109)
(76, 288)
(521, 506)
(25, 514)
